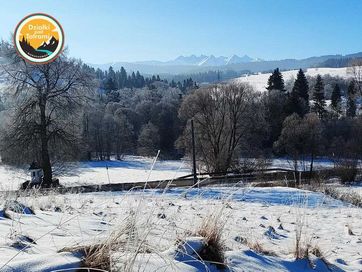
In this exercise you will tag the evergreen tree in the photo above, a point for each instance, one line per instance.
(299, 97)
(140, 81)
(173, 84)
(123, 78)
(110, 84)
(295, 104)
(336, 99)
(133, 79)
(301, 85)
(129, 82)
(276, 81)
(351, 100)
(111, 74)
(319, 105)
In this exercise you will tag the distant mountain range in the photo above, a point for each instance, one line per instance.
(202, 60)
(211, 60)
(203, 63)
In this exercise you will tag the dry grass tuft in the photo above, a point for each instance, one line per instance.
(349, 197)
(258, 248)
(94, 256)
(316, 251)
(98, 256)
(302, 252)
(213, 251)
(211, 230)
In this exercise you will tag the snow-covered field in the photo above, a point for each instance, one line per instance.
(158, 219)
(130, 169)
(158, 230)
(259, 82)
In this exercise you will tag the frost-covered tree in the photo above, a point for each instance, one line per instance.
(47, 98)
(300, 137)
(228, 121)
(148, 140)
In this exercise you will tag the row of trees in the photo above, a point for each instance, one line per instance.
(111, 80)
(303, 99)
(115, 80)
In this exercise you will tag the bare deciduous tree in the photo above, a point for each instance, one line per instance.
(46, 96)
(355, 69)
(224, 116)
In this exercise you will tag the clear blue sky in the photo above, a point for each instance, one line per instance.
(105, 31)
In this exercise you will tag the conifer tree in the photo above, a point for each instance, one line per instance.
(319, 105)
(301, 85)
(336, 99)
(276, 81)
(299, 97)
(123, 78)
(351, 100)
(295, 104)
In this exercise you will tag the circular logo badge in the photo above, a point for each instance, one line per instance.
(39, 38)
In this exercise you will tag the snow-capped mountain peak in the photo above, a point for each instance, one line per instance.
(211, 60)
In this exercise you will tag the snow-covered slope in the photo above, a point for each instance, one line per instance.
(259, 82)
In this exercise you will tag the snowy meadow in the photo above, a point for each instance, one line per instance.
(217, 228)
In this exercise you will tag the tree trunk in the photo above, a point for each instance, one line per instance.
(296, 176)
(311, 165)
(45, 163)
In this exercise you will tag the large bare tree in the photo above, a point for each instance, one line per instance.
(225, 118)
(46, 98)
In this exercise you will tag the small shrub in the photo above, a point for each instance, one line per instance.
(347, 170)
(350, 197)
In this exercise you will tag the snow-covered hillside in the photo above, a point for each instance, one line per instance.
(259, 82)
